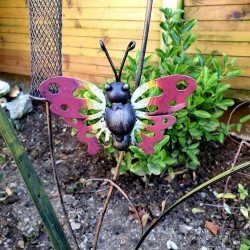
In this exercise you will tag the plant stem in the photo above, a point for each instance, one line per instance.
(106, 202)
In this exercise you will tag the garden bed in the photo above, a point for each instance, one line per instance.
(21, 228)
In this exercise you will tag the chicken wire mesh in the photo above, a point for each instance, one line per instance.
(45, 42)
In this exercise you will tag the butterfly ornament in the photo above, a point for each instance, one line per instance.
(138, 119)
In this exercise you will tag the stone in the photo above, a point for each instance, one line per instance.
(20, 106)
(75, 225)
(3, 102)
(4, 88)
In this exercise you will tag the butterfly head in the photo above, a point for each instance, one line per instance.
(117, 92)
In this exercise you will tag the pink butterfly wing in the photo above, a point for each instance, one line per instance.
(59, 92)
(171, 93)
(161, 122)
(171, 100)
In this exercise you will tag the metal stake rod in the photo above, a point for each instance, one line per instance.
(144, 42)
(56, 180)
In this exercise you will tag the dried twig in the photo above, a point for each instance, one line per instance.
(106, 202)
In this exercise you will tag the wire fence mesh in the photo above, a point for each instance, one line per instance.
(46, 42)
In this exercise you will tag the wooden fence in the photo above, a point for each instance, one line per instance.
(84, 24)
(223, 25)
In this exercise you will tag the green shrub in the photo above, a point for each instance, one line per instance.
(199, 120)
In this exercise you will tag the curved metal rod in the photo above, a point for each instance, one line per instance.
(123, 193)
(109, 58)
(144, 42)
(130, 47)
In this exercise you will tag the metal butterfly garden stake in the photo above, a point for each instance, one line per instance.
(127, 119)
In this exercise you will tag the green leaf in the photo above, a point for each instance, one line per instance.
(233, 73)
(138, 169)
(246, 241)
(223, 88)
(165, 38)
(175, 38)
(194, 145)
(244, 247)
(225, 59)
(244, 212)
(221, 137)
(164, 26)
(170, 161)
(154, 168)
(196, 210)
(217, 65)
(158, 146)
(202, 114)
(238, 127)
(191, 154)
(245, 118)
(189, 40)
(227, 102)
(218, 113)
(160, 53)
(138, 152)
(177, 12)
(226, 196)
(189, 25)
(212, 81)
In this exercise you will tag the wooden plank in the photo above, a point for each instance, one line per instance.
(17, 22)
(105, 71)
(90, 13)
(214, 2)
(87, 24)
(226, 36)
(82, 32)
(86, 52)
(85, 3)
(109, 14)
(17, 57)
(229, 48)
(227, 12)
(239, 82)
(15, 60)
(239, 94)
(22, 59)
(115, 33)
(89, 60)
(79, 42)
(15, 69)
(87, 77)
(222, 25)
(22, 13)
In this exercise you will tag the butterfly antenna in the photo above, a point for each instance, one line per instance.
(130, 47)
(109, 59)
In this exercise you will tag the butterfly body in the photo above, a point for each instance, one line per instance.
(120, 118)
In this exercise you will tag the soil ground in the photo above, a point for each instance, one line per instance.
(21, 227)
